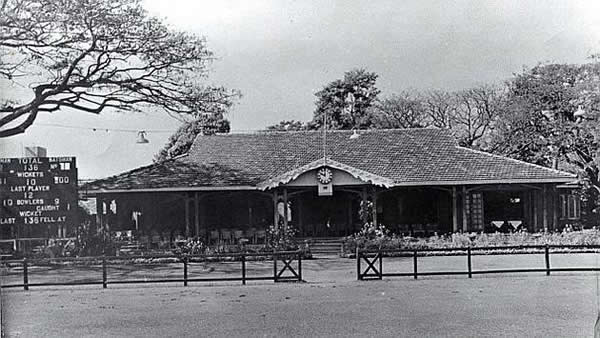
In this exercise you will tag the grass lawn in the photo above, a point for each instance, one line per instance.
(331, 303)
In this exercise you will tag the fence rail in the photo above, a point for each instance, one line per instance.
(288, 258)
(374, 260)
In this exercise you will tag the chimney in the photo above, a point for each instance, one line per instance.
(35, 152)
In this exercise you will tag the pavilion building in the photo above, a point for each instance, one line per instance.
(417, 181)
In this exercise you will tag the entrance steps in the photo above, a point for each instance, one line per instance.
(323, 245)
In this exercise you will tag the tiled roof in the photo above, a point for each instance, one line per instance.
(404, 156)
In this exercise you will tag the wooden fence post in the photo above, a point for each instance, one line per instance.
(275, 267)
(104, 277)
(25, 275)
(547, 254)
(243, 269)
(185, 271)
(300, 266)
(358, 264)
(380, 256)
(469, 262)
(415, 264)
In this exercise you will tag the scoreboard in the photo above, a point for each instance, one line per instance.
(37, 191)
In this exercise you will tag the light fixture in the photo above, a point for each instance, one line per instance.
(579, 112)
(354, 135)
(141, 138)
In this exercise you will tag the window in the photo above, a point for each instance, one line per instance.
(474, 208)
(570, 206)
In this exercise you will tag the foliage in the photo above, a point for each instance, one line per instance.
(291, 125)
(346, 102)
(180, 142)
(190, 247)
(552, 120)
(281, 238)
(403, 110)
(91, 55)
(462, 240)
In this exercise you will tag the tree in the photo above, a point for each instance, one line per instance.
(180, 142)
(554, 122)
(90, 55)
(291, 125)
(475, 111)
(403, 110)
(346, 102)
(439, 106)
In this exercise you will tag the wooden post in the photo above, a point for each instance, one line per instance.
(285, 208)
(25, 275)
(454, 211)
(187, 215)
(534, 202)
(358, 264)
(300, 207)
(374, 197)
(363, 204)
(554, 208)
(104, 274)
(547, 258)
(415, 273)
(299, 266)
(275, 211)
(545, 208)
(469, 262)
(197, 214)
(275, 267)
(349, 225)
(243, 270)
(185, 271)
(380, 257)
(464, 208)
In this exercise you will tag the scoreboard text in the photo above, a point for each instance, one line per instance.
(37, 190)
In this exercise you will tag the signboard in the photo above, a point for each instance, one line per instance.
(37, 192)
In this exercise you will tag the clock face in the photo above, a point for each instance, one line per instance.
(324, 175)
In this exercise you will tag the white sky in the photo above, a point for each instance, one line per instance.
(279, 53)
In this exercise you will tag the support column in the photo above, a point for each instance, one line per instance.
(534, 202)
(454, 210)
(374, 197)
(187, 215)
(300, 220)
(285, 208)
(554, 208)
(545, 207)
(364, 202)
(349, 225)
(275, 213)
(197, 214)
(464, 209)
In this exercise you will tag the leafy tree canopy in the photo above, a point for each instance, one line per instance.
(346, 102)
(180, 142)
(90, 55)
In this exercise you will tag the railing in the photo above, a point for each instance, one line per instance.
(374, 260)
(279, 272)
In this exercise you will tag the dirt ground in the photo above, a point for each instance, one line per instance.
(330, 303)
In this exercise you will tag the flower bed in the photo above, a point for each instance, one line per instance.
(379, 238)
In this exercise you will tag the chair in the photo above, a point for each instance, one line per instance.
(202, 235)
(214, 236)
(237, 235)
(261, 234)
(145, 241)
(251, 235)
(226, 236)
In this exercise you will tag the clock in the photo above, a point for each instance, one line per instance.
(324, 175)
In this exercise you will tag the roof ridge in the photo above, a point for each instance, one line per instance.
(287, 132)
(518, 161)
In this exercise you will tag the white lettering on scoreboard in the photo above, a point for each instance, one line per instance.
(37, 190)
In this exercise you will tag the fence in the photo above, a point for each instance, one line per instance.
(374, 260)
(279, 270)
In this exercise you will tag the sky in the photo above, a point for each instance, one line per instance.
(279, 53)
